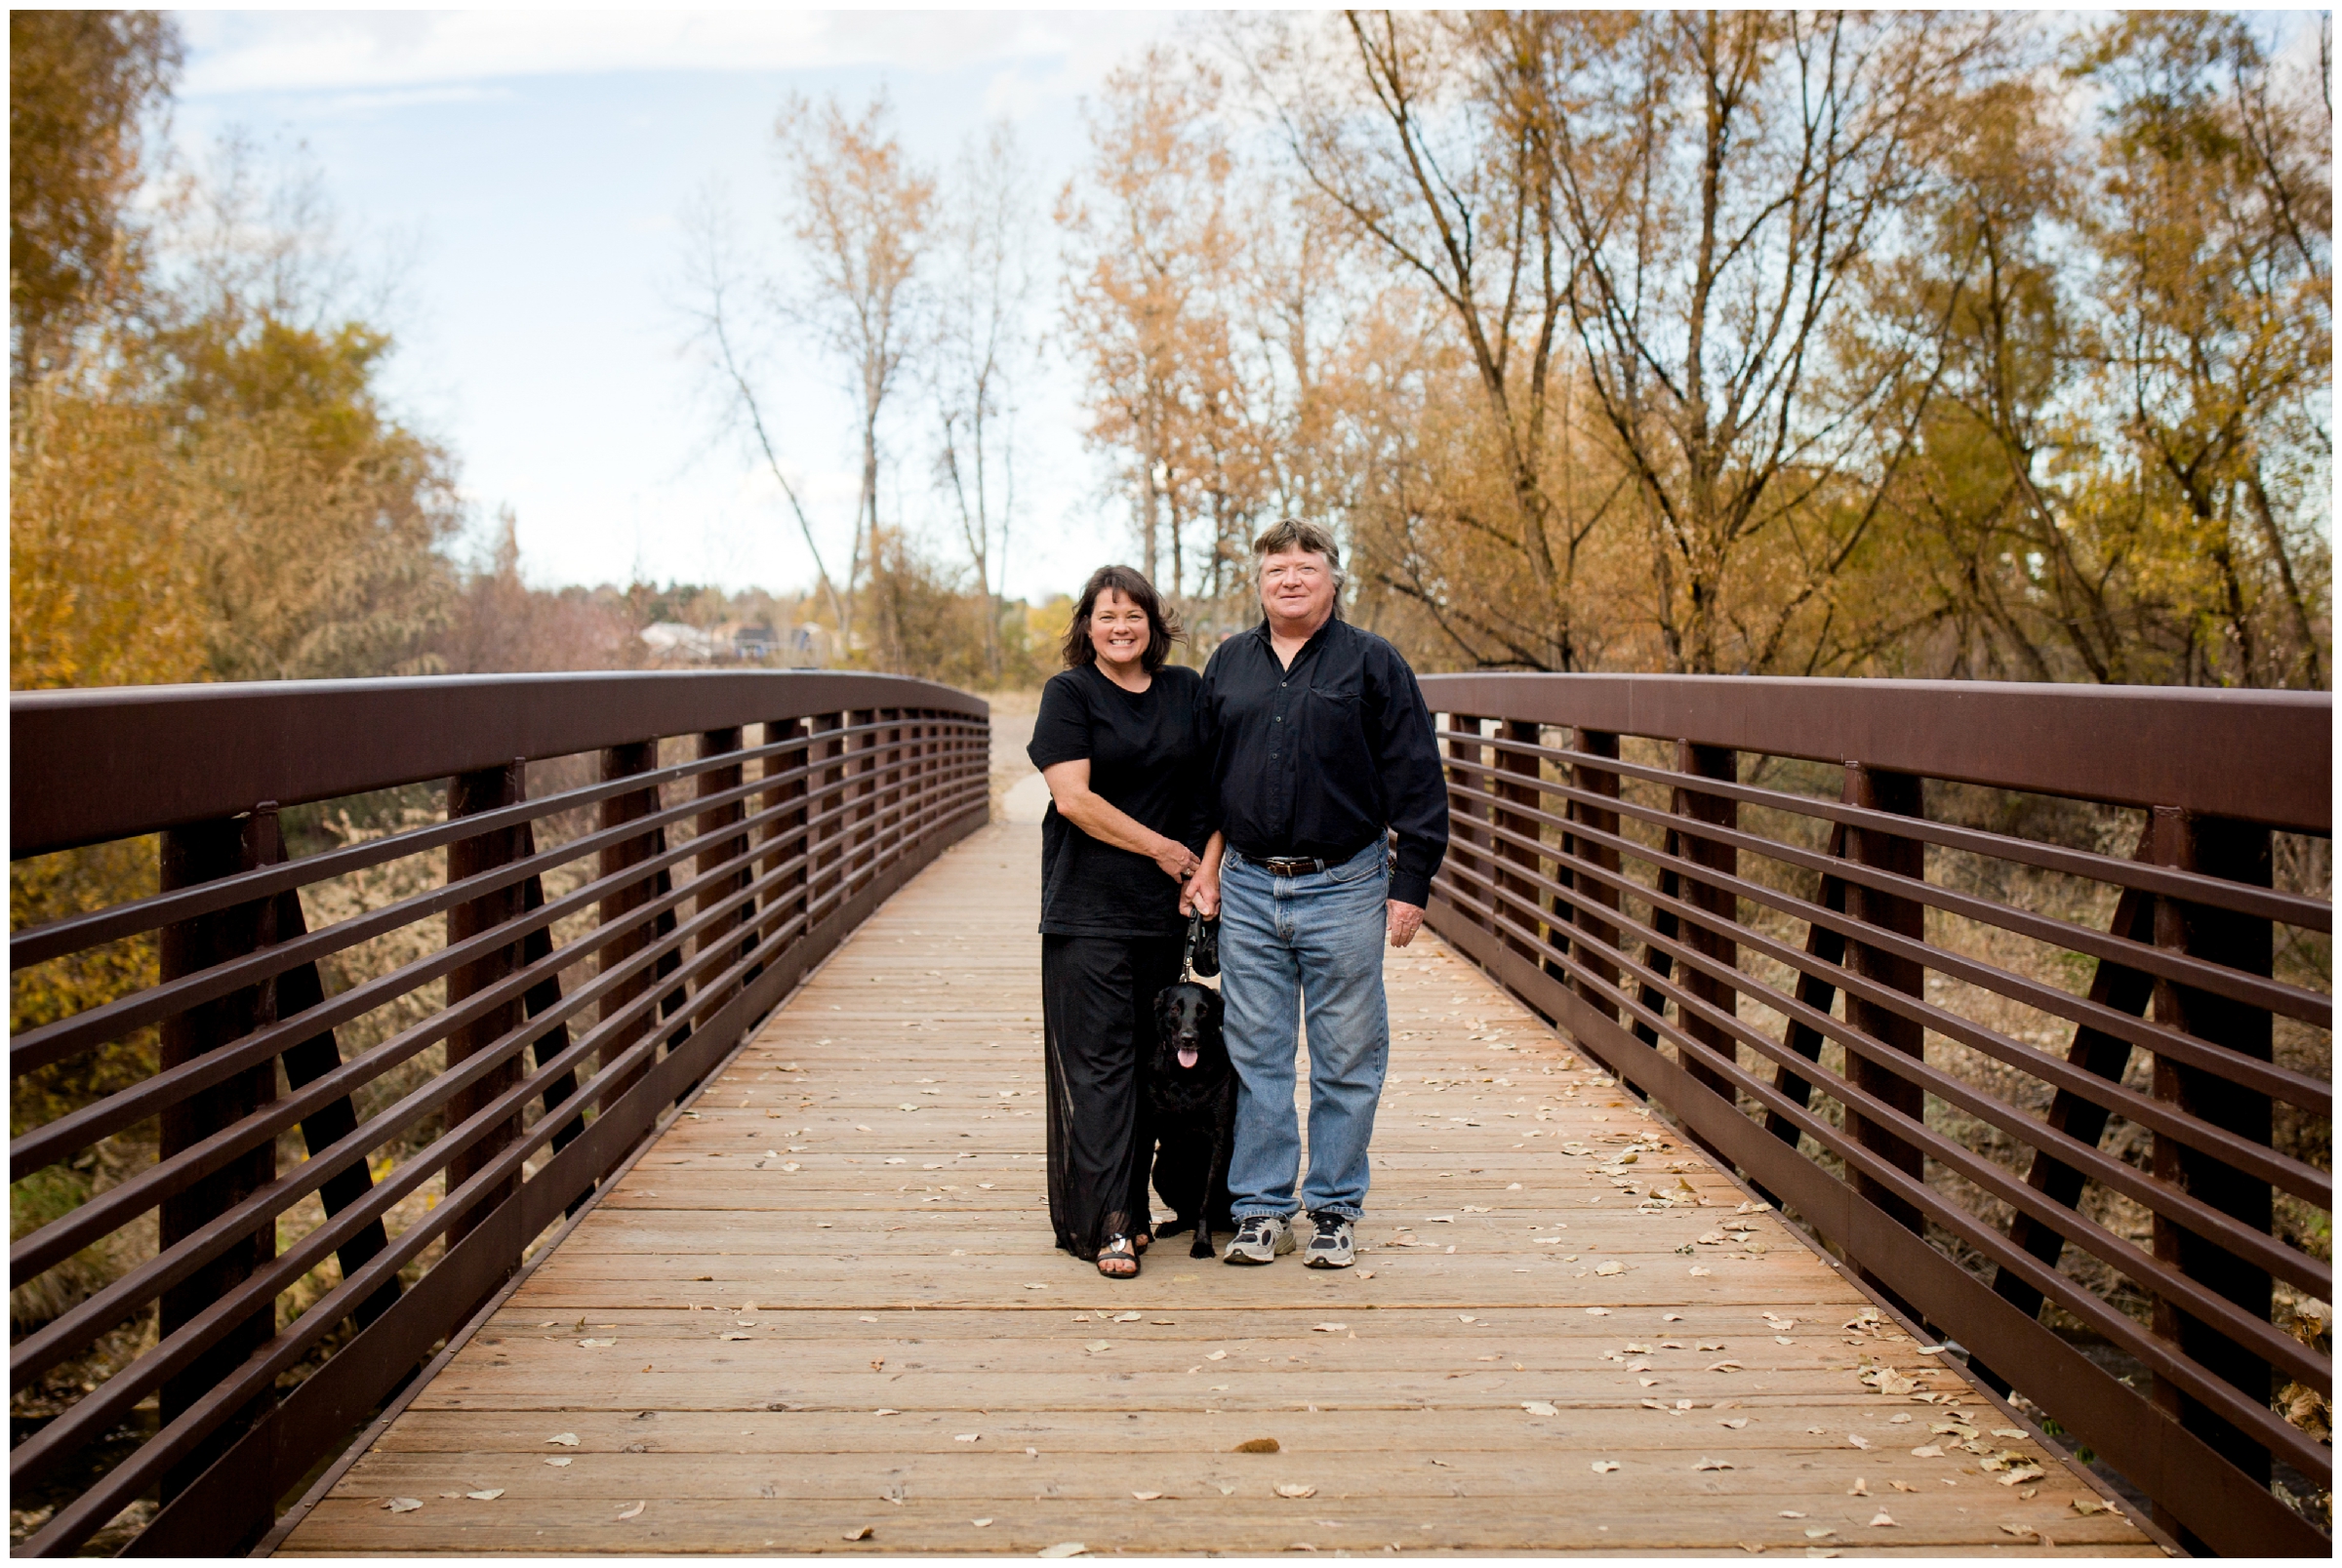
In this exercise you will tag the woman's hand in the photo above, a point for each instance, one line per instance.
(1179, 862)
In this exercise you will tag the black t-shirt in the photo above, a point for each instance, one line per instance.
(1146, 756)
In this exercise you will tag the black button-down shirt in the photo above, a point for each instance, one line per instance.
(1320, 759)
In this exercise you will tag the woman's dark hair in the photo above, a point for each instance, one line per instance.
(1163, 626)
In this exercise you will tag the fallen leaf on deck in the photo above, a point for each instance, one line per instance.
(490, 1495)
(1128, 1317)
(1331, 1328)
(1736, 1422)
(1603, 1467)
(591, 1345)
(402, 1504)
(1257, 1445)
(1858, 1441)
(966, 1437)
(1880, 1519)
(1098, 1347)
(1817, 1533)
(1539, 1407)
(1706, 1464)
(1147, 1497)
(1860, 1488)
(979, 1523)
(564, 1460)
(637, 1508)
(565, 1440)
(1723, 1366)
(1929, 1451)
(883, 1411)
(1217, 1356)
(740, 1336)
(1792, 1514)
(1296, 1489)
(1611, 1269)
(1903, 1486)
(862, 1534)
(1698, 1273)
(2028, 1472)
(2087, 1506)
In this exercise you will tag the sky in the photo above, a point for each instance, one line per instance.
(519, 178)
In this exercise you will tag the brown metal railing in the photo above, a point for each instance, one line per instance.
(366, 1082)
(1856, 937)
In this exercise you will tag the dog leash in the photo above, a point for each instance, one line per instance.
(1187, 960)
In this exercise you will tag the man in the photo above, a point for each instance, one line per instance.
(1320, 749)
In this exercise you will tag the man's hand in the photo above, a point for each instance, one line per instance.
(1201, 893)
(1405, 920)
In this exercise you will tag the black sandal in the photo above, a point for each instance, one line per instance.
(1118, 1249)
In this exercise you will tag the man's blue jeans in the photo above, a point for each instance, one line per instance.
(1284, 939)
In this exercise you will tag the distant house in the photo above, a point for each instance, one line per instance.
(672, 639)
(754, 642)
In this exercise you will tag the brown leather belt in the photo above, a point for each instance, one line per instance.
(1290, 865)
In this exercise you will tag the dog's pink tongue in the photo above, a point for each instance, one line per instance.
(1186, 1056)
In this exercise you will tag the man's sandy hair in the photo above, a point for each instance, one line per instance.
(1300, 534)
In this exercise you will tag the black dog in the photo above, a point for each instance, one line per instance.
(1192, 1090)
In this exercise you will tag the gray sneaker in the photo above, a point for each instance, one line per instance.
(1334, 1245)
(1259, 1239)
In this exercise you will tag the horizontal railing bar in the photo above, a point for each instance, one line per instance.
(2251, 1073)
(2135, 745)
(2146, 1269)
(295, 742)
(2287, 908)
(53, 1042)
(77, 933)
(2257, 1159)
(2314, 1008)
(2160, 1356)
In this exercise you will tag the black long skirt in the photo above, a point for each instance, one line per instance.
(1098, 1026)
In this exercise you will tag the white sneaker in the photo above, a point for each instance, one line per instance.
(1334, 1246)
(1259, 1239)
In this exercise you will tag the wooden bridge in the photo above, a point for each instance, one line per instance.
(802, 1298)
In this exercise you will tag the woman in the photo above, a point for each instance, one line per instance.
(1116, 738)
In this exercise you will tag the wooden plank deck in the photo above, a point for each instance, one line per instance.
(825, 1302)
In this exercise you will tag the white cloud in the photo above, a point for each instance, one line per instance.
(309, 50)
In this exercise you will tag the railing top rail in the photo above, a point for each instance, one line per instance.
(2260, 756)
(101, 763)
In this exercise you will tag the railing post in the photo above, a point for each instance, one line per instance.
(205, 851)
(1898, 793)
(2238, 852)
(469, 795)
(1597, 933)
(1708, 762)
(1463, 837)
(865, 857)
(1523, 794)
(789, 829)
(716, 846)
(618, 908)
(830, 747)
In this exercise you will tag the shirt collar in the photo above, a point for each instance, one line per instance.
(1260, 631)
